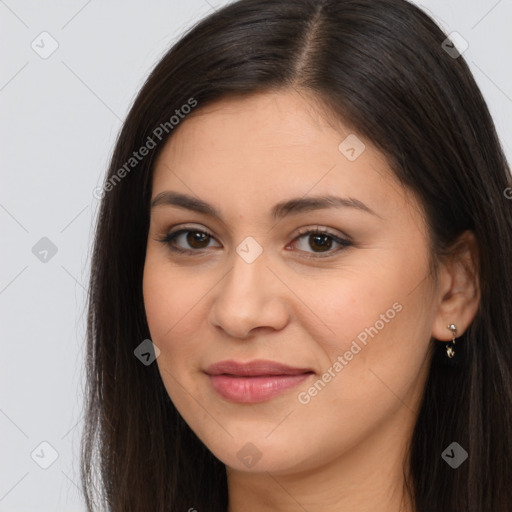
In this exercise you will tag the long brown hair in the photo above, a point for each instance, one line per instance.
(380, 66)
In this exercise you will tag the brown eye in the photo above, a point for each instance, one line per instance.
(320, 241)
(323, 242)
(190, 240)
(196, 239)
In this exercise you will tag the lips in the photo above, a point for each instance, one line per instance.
(255, 381)
(255, 368)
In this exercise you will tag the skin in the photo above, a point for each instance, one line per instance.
(344, 449)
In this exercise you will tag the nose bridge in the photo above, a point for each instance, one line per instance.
(247, 297)
(246, 284)
(249, 269)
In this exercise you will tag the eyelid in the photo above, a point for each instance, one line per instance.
(321, 229)
(173, 230)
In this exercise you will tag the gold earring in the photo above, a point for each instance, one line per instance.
(450, 352)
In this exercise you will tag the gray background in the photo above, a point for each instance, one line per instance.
(59, 118)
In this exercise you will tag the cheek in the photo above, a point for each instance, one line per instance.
(172, 303)
(379, 323)
(170, 296)
(358, 304)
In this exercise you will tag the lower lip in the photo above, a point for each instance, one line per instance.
(255, 389)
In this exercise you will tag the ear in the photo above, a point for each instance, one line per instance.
(459, 288)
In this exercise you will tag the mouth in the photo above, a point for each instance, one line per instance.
(255, 381)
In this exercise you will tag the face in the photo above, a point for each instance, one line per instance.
(331, 303)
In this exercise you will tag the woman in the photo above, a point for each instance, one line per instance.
(301, 284)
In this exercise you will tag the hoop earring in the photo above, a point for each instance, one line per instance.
(450, 351)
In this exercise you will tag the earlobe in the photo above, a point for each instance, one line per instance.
(459, 293)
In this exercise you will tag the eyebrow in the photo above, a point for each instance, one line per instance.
(289, 207)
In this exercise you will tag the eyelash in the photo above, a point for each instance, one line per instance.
(170, 237)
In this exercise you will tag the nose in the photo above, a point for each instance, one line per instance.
(249, 298)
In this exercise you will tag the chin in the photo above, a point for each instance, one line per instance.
(258, 456)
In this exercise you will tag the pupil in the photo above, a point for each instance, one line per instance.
(195, 237)
(325, 238)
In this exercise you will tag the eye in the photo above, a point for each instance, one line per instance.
(196, 239)
(321, 239)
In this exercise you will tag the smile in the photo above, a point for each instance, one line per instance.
(256, 381)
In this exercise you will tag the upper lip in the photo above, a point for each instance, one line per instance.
(256, 367)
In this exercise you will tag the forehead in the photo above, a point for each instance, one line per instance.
(268, 146)
(274, 120)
